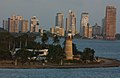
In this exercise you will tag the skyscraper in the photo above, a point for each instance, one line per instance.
(5, 24)
(59, 20)
(110, 23)
(96, 30)
(24, 26)
(84, 24)
(34, 24)
(71, 22)
(14, 23)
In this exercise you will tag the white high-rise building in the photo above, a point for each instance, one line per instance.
(71, 23)
(34, 24)
(84, 24)
(5, 24)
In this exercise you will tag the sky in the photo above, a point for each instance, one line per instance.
(45, 10)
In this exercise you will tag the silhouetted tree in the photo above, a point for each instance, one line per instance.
(5, 55)
(88, 54)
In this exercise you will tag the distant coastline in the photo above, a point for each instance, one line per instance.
(107, 62)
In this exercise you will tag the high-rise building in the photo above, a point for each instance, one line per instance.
(57, 31)
(90, 32)
(24, 26)
(110, 23)
(71, 22)
(59, 20)
(5, 24)
(96, 30)
(34, 24)
(103, 27)
(14, 23)
(84, 24)
(87, 31)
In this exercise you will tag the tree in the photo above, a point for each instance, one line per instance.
(44, 40)
(23, 55)
(88, 54)
(56, 40)
(55, 54)
(6, 40)
(75, 51)
(5, 55)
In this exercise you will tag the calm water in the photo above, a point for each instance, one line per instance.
(110, 49)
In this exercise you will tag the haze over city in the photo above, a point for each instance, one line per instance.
(45, 10)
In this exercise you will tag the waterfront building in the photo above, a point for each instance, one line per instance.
(71, 22)
(84, 24)
(59, 21)
(87, 31)
(68, 46)
(90, 32)
(96, 30)
(110, 23)
(5, 24)
(34, 24)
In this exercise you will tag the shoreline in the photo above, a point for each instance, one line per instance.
(108, 62)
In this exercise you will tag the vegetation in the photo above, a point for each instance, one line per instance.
(6, 40)
(5, 55)
(88, 55)
(55, 54)
(44, 40)
(23, 55)
(26, 41)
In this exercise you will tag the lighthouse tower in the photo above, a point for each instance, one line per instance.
(68, 46)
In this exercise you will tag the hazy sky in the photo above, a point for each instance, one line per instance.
(45, 10)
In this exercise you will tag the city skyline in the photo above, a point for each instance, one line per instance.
(46, 10)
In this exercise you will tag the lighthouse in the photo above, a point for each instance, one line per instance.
(68, 46)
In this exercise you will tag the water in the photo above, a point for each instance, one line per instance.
(61, 73)
(110, 49)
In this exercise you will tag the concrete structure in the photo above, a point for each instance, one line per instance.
(110, 23)
(90, 32)
(87, 31)
(57, 30)
(68, 47)
(52, 30)
(84, 24)
(41, 53)
(71, 22)
(59, 20)
(34, 24)
(103, 27)
(16, 24)
(5, 24)
(96, 30)
(24, 26)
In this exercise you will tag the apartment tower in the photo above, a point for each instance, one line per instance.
(71, 23)
(84, 24)
(110, 23)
